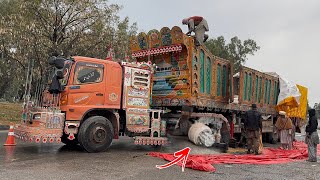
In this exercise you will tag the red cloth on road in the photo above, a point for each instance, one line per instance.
(268, 156)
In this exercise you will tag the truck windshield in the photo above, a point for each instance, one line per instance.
(66, 72)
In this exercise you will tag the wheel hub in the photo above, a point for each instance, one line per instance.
(99, 135)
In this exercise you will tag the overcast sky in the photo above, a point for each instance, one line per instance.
(286, 30)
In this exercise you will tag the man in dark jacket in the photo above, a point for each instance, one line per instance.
(312, 138)
(253, 125)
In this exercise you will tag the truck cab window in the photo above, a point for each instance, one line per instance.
(86, 73)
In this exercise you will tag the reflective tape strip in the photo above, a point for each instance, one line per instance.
(11, 133)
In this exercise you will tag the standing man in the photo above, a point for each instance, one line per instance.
(253, 126)
(285, 129)
(312, 138)
(199, 26)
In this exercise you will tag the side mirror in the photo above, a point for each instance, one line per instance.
(51, 60)
(57, 62)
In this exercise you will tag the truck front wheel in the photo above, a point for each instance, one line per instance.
(96, 134)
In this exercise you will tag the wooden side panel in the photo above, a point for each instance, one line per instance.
(262, 90)
(202, 73)
(172, 81)
(208, 71)
(195, 73)
(189, 75)
(171, 52)
(222, 80)
(231, 90)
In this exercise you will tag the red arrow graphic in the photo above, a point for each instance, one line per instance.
(180, 155)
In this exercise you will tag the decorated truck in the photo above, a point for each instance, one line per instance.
(169, 85)
(91, 102)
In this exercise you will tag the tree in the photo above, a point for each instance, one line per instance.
(38, 29)
(235, 51)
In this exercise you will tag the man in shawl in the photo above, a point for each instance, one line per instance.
(199, 26)
(312, 138)
(253, 127)
(285, 128)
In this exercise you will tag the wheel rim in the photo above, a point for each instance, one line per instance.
(99, 134)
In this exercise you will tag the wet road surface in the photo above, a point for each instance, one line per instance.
(124, 160)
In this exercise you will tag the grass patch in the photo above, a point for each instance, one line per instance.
(10, 113)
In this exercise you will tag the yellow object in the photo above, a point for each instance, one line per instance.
(292, 108)
(288, 103)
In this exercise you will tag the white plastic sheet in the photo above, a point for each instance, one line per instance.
(288, 89)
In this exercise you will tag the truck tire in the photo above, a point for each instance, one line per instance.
(225, 137)
(68, 142)
(184, 127)
(96, 134)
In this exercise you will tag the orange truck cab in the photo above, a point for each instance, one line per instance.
(97, 100)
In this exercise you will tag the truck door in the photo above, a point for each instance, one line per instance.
(87, 87)
(113, 86)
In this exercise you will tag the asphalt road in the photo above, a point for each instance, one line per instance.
(124, 160)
